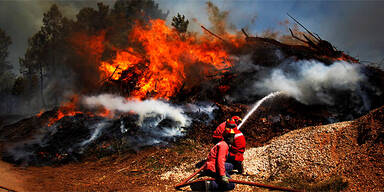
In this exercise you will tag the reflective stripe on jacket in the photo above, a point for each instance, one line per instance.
(238, 148)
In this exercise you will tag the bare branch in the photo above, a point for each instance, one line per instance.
(294, 36)
(317, 38)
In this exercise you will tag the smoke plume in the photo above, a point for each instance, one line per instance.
(142, 108)
(312, 82)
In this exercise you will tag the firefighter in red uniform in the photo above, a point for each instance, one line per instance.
(218, 133)
(217, 167)
(238, 148)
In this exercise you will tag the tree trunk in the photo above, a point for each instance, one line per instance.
(42, 84)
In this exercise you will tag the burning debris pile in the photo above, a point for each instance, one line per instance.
(135, 124)
(173, 83)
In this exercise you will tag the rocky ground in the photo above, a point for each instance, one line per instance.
(346, 156)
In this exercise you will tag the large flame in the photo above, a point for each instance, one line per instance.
(164, 60)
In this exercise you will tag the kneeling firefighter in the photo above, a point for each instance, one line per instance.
(217, 167)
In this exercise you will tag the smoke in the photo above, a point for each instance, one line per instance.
(312, 82)
(97, 128)
(157, 121)
(217, 18)
(144, 109)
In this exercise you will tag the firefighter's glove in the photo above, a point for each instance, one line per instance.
(224, 179)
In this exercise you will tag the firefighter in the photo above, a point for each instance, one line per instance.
(217, 167)
(238, 148)
(218, 133)
(236, 152)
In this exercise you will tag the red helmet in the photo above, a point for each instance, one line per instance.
(237, 120)
(230, 124)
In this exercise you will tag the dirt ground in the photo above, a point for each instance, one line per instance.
(128, 172)
(11, 178)
(143, 171)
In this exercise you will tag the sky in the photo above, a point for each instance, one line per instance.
(355, 27)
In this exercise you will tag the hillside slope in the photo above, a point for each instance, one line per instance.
(346, 156)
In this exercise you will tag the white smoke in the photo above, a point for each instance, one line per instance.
(97, 128)
(201, 108)
(146, 108)
(312, 81)
(153, 115)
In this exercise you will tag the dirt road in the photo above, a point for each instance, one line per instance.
(11, 178)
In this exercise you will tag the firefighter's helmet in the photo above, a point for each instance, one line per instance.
(237, 120)
(230, 123)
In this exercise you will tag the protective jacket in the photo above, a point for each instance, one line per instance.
(238, 148)
(218, 133)
(217, 157)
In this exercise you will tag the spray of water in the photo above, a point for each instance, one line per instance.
(258, 103)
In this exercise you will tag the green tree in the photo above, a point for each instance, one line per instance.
(30, 64)
(5, 41)
(179, 23)
(92, 20)
(139, 10)
(41, 58)
(6, 75)
(19, 86)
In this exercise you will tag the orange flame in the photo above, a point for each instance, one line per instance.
(66, 109)
(40, 113)
(165, 60)
(105, 113)
(123, 60)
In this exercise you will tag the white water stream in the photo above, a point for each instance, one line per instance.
(258, 103)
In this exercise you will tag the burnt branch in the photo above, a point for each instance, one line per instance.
(245, 33)
(213, 34)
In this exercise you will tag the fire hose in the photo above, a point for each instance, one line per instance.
(186, 183)
(6, 189)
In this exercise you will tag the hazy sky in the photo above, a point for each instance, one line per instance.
(355, 27)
